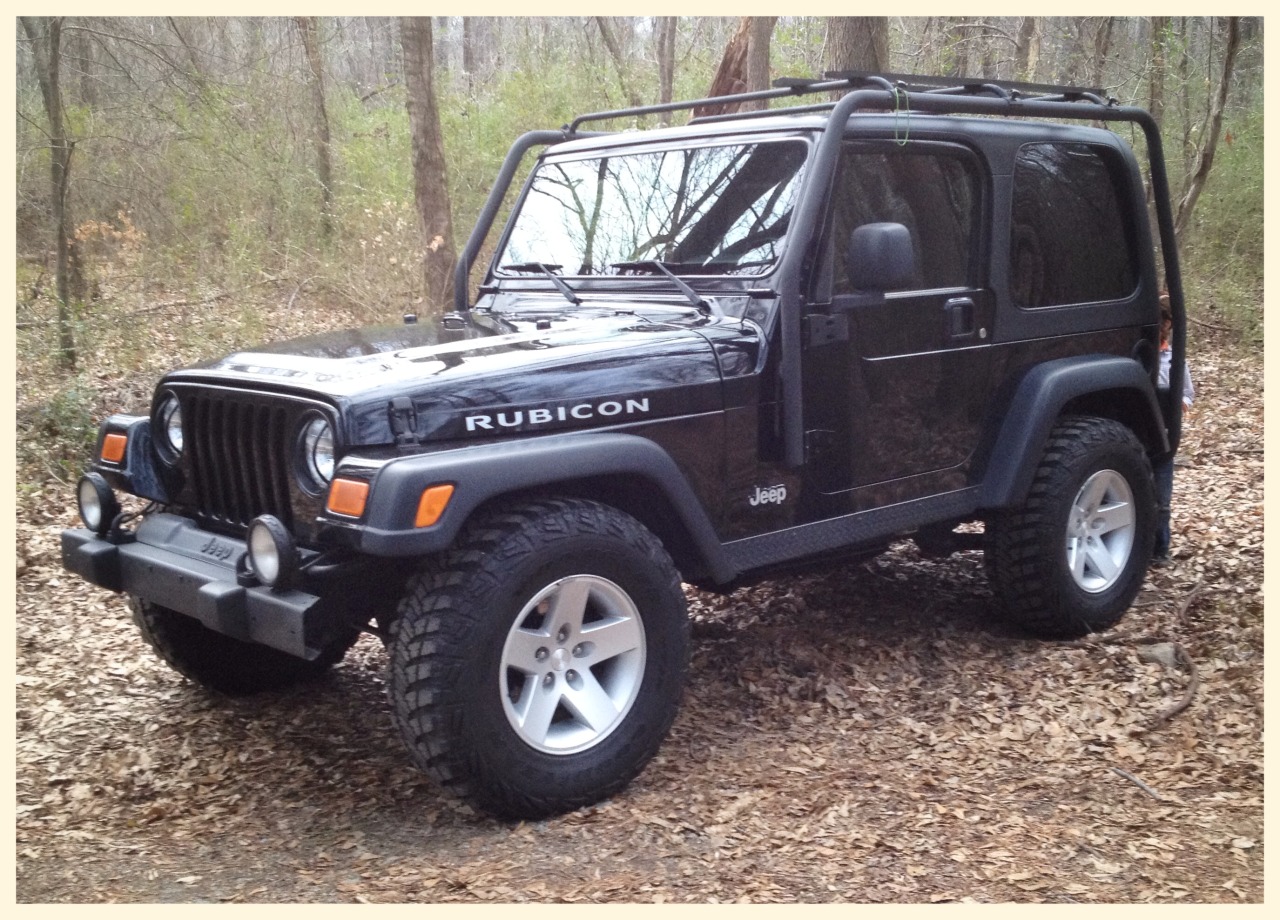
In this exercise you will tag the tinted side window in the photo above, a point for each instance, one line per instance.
(933, 194)
(1070, 236)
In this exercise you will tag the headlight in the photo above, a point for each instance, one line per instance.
(169, 419)
(317, 452)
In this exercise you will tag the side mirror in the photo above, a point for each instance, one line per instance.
(881, 258)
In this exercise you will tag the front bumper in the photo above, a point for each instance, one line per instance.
(174, 563)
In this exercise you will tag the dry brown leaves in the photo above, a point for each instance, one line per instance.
(864, 735)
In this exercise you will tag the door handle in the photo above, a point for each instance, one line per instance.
(961, 317)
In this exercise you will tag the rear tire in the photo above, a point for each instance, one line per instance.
(537, 666)
(1071, 560)
(224, 664)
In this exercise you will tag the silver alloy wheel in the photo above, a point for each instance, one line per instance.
(1101, 531)
(572, 664)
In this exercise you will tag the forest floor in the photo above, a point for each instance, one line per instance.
(871, 734)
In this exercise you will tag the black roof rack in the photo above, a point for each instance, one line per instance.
(974, 86)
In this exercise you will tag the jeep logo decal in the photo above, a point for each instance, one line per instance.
(218, 550)
(529, 418)
(771, 495)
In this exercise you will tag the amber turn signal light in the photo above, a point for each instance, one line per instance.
(432, 505)
(348, 497)
(113, 446)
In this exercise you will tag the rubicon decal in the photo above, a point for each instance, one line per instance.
(532, 418)
(769, 495)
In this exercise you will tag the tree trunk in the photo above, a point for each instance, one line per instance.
(430, 179)
(619, 62)
(470, 59)
(45, 34)
(737, 67)
(1159, 69)
(858, 43)
(955, 47)
(309, 27)
(1028, 60)
(760, 37)
(666, 57)
(1196, 184)
(1101, 51)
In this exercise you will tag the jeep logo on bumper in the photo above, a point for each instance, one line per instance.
(532, 418)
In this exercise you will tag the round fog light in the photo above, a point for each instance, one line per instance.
(272, 553)
(98, 504)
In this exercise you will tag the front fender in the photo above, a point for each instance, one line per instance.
(483, 472)
(1107, 385)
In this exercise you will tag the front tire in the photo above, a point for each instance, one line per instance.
(536, 667)
(1071, 560)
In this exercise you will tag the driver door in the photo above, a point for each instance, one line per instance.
(899, 405)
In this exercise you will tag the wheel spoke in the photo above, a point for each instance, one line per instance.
(1076, 558)
(612, 638)
(1114, 516)
(522, 649)
(590, 702)
(535, 709)
(568, 606)
(1101, 561)
(1092, 495)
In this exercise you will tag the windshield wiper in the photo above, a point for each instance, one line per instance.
(687, 291)
(549, 271)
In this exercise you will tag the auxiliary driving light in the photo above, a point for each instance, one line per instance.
(98, 504)
(272, 552)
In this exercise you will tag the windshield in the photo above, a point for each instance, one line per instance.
(720, 210)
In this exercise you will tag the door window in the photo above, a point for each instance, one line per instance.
(932, 192)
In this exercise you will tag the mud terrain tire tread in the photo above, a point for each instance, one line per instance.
(446, 641)
(1025, 547)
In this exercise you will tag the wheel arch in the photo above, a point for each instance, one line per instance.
(1105, 386)
(627, 472)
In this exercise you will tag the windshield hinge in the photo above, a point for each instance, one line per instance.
(825, 328)
(404, 422)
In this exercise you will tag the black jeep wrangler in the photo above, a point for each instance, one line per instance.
(702, 354)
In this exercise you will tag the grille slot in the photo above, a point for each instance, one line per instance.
(238, 456)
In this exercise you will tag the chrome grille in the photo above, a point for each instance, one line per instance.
(238, 455)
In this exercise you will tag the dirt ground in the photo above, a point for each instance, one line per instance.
(870, 734)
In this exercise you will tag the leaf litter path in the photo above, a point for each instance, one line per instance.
(869, 734)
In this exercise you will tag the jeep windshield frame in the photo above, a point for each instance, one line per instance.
(717, 207)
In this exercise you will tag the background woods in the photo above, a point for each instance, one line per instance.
(187, 186)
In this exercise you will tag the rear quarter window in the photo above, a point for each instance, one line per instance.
(1071, 239)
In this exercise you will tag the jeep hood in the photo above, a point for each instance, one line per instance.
(489, 374)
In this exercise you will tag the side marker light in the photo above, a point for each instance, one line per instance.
(432, 504)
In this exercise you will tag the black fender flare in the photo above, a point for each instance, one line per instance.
(1038, 402)
(482, 472)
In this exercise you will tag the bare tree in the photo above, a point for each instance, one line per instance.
(760, 33)
(430, 185)
(735, 70)
(1159, 68)
(1204, 163)
(308, 26)
(619, 61)
(666, 57)
(858, 43)
(45, 35)
(1027, 61)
